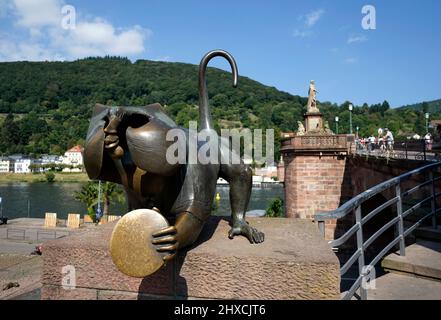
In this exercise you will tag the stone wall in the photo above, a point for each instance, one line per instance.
(318, 183)
(368, 172)
(314, 184)
(293, 262)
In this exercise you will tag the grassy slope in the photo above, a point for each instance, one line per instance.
(59, 177)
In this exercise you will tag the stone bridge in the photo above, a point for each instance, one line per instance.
(323, 172)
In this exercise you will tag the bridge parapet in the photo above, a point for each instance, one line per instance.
(317, 143)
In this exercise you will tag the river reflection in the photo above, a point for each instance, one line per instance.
(34, 199)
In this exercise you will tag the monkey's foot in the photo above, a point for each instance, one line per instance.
(241, 227)
(165, 240)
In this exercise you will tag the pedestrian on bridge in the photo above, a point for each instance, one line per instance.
(371, 140)
(389, 137)
(428, 141)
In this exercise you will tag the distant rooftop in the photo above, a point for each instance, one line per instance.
(77, 148)
(49, 156)
(434, 123)
(18, 156)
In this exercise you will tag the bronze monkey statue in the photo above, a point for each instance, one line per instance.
(128, 145)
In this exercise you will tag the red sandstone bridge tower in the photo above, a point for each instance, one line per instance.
(314, 159)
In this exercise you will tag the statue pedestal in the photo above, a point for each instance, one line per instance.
(316, 176)
(313, 121)
(294, 262)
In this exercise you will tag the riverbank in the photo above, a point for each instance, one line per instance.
(40, 177)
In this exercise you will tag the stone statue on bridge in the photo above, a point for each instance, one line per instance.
(301, 129)
(314, 124)
(312, 101)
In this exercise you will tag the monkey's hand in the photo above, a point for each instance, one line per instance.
(165, 240)
(184, 233)
(241, 227)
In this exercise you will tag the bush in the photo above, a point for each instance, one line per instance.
(50, 176)
(92, 214)
(275, 209)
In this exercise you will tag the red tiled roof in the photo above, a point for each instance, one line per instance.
(77, 148)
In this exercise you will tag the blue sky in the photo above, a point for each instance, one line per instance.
(279, 43)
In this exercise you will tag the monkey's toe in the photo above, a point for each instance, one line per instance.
(244, 229)
(259, 237)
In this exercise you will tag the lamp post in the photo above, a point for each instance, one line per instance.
(98, 212)
(350, 118)
(336, 124)
(427, 121)
(357, 128)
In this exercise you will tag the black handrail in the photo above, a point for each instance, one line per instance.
(354, 205)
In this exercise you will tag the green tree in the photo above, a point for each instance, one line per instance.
(275, 208)
(89, 196)
(9, 135)
(384, 107)
(50, 176)
(425, 107)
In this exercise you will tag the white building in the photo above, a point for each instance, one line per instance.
(6, 165)
(268, 172)
(50, 158)
(222, 181)
(22, 165)
(17, 156)
(73, 157)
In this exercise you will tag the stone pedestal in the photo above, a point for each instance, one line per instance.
(314, 121)
(294, 262)
(316, 176)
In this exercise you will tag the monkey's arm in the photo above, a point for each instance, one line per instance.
(192, 206)
(184, 233)
(239, 177)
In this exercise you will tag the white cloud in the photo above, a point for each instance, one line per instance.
(101, 38)
(357, 38)
(17, 51)
(36, 14)
(308, 21)
(313, 17)
(350, 60)
(47, 40)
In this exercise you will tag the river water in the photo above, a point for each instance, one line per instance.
(34, 199)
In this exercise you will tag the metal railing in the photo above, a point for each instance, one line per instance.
(412, 149)
(354, 205)
(406, 149)
(34, 234)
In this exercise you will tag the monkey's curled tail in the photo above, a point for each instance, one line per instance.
(205, 121)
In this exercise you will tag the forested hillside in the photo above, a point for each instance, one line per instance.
(45, 106)
(430, 106)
